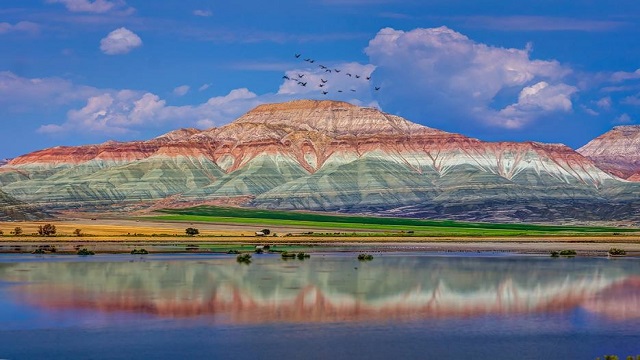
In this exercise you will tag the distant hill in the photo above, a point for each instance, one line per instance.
(328, 156)
(617, 151)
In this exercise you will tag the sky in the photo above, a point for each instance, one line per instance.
(78, 72)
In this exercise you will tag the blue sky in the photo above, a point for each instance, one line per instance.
(86, 71)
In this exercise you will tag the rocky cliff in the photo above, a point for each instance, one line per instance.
(617, 152)
(328, 156)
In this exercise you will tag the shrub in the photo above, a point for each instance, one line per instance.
(617, 252)
(287, 255)
(46, 230)
(139, 252)
(568, 253)
(265, 231)
(302, 256)
(555, 254)
(233, 252)
(17, 231)
(77, 232)
(365, 257)
(85, 252)
(192, 231)
(244, 258)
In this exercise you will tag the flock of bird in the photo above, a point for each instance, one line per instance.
(321, 85)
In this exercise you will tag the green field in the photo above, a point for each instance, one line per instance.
(380, 226)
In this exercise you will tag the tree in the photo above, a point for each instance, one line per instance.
(47, 230)
(17, 230)
(266, 231)
(192, 231)
(77, 232)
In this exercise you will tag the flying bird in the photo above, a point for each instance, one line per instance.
(286, 77)
(377, 88)
(336, 70)
(353, 90)
(325, 92)
(339, 90)
(322, 66)
(327, 70)
(307, 59)
(349, 75)
(321, 85)
(302, 83)
(357, 76)
(297, 56)
(300, 76)
(368, 77)
(323, 80)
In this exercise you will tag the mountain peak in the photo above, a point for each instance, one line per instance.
(332, 118)
(616, 151)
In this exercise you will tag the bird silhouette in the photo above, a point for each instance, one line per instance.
(323, 80)
(337, 70)
(377, 88)
(297, 56)
(349, 75)
(286, 77)
(321, 85)
(312, 61)
(339, 90)
(353, 90)
(308, 59)
(325, 92)
(300, 76)
(322, 66)
(368, 77)
(327, 70)
(302, 83)
(357, 76)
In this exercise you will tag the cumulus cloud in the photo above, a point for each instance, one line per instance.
(126, 111)
(620, 76)
(181, 90)
(204, 87)
(203, 13)
(451, 76)
(95, 6)
(604, 103)
(20, 93)
(623, 119)
(120, 41)
(22, 26)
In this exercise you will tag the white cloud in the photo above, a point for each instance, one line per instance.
(534, 101)
(444, 72)
(22, 26)
(621, 76)
(204, 87)
(126, 111)
(181, 90)
(203, 13)
(623, 119)
(95, 6)
(631, 100)
(604, 103)
(120, 41)
(22, 94)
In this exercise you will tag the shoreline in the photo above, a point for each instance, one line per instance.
(593, 246)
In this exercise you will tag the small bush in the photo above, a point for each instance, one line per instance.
(555, 254)
(38, 251)
(568, 253)
(302, 256)
(139, 252)
(365, 257)
(617, 252)
(244, 258)
(192, 231)
(233, 252)
(85, 252)
(287, 255)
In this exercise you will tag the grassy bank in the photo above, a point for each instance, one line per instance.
(407, 227)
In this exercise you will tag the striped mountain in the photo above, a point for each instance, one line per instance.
(617, 151)
(328, 156)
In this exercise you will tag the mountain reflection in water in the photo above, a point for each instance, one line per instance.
(330, 288)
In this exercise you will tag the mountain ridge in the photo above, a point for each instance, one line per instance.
(327, 156)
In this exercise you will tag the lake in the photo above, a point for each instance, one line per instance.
(331, 306)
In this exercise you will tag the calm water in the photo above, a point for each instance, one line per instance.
(397, 306)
